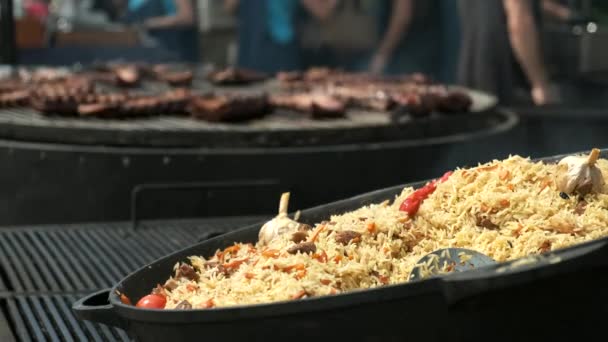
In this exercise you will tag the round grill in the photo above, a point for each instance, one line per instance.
(279, 129)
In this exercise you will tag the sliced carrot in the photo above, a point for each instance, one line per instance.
(505, 203)
(301, 274)
(383, 279)
(316, 235)
(356, 239)
(320, 257)
(504, 174)
(271, 253)
(249, 275)
(232, 249)
(209, 303)
(510, 187)
(192, 287)
(337, 258)
(371, 227)
(350, 257)
(325, 281)
(235, 264)
(386, 249)
(124, 299)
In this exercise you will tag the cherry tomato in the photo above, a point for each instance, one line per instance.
(152, 301)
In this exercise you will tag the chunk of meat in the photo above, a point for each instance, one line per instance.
(346, 236)
(216, 108)
(299, 236)
(304, 248)
(581, 206)
(170, 285)
(184, 305)
(485, 222)
(545, 246)
(304, 227)
(187, 271)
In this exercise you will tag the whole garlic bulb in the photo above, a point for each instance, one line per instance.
(279, 225)
(580, 174)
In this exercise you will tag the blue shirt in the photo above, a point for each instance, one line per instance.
(169, 5)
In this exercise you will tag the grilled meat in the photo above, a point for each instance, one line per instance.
(223, 108)
(316, 104)
(236, 76)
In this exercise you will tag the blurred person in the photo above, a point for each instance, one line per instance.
(450, 41)
(411, 37)
(267, 37)
(556, 9)
(408, 37)
(501, 49)
(170, 22)
(38, 9)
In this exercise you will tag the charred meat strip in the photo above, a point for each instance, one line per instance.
(222, 108)
(236, 76)
(316, 104)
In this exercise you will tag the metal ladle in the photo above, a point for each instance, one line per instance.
(451, 256)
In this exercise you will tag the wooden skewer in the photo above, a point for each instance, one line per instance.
(593, 156)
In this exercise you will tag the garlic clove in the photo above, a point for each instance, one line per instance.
(279, 225)
(580, 174)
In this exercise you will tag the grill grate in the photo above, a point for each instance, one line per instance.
(95, 256)
(50, 318)
(44, 269)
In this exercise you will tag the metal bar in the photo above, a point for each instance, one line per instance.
(190, 186)
(6, 335)
(44, 318)
(69, 317)
(8, 46)
(19, 280)
(84, 257)
(39, 283)
(70, 262)
(31, 319)
(20, 327)
(54, 280)
(52, 262)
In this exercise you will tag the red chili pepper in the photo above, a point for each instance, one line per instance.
(446, 176)
(410, 206)
(412, 203)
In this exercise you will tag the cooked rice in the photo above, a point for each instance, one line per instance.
(518, 195)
